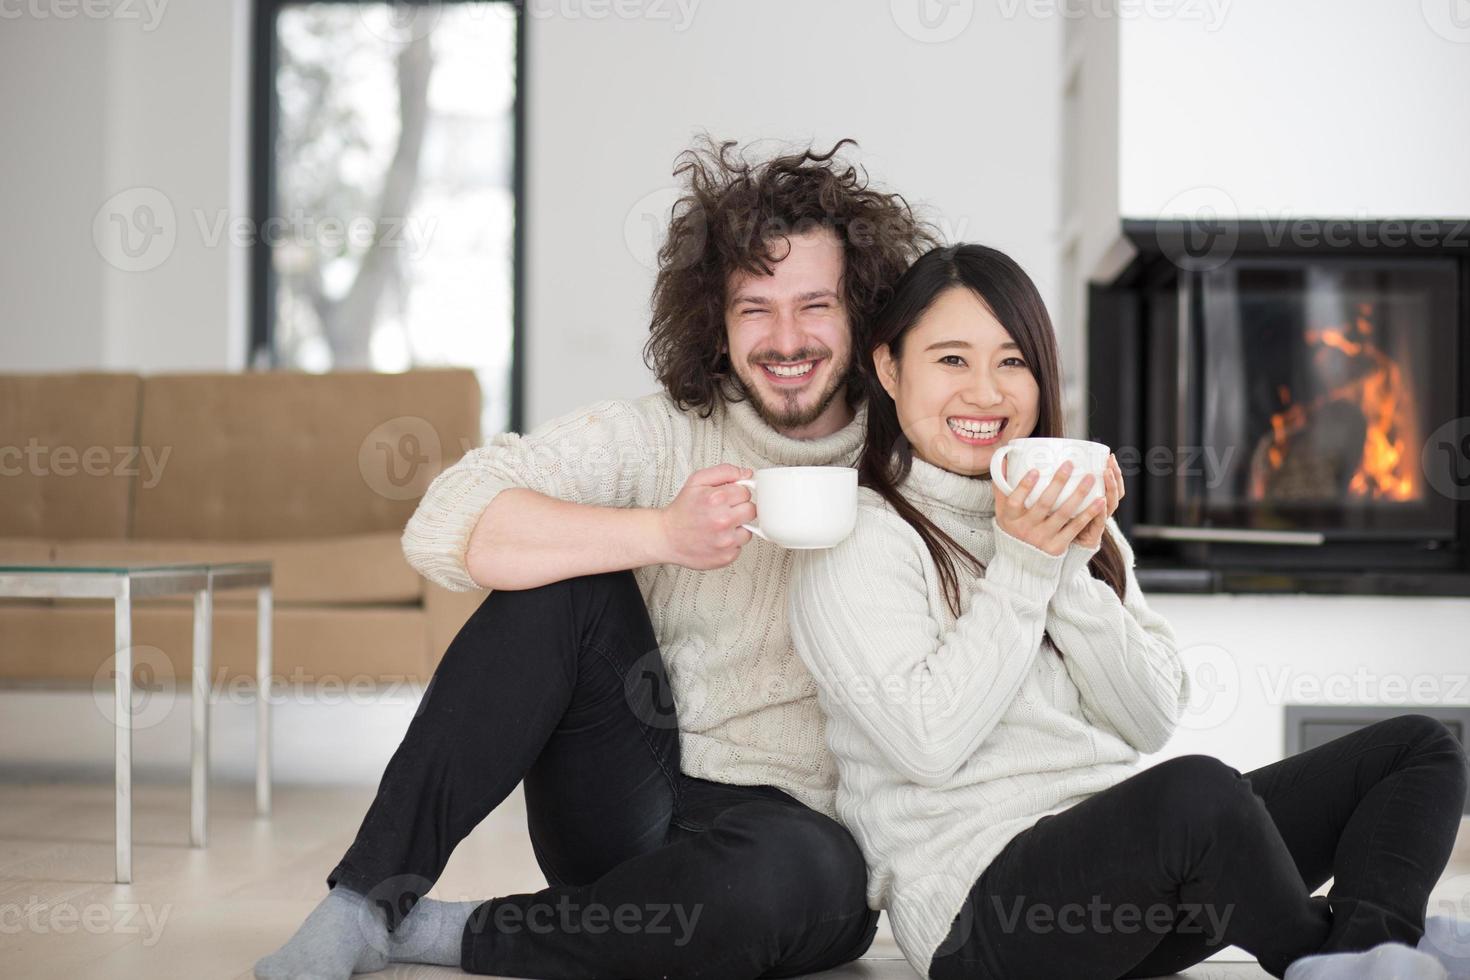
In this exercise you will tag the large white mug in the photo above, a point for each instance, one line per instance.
(803, 506)
(1046, 455)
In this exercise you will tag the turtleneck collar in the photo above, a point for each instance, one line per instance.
(841, 447)
(937, 486)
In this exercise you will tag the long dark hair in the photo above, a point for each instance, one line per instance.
(1010, 294)
(732, 214)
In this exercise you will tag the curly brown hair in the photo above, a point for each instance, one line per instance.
(730, 215)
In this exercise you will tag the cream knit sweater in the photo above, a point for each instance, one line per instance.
(747, 707)
(951, 735)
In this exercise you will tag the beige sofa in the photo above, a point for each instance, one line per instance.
(317, 473)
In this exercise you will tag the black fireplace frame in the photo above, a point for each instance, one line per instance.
(1181, 556)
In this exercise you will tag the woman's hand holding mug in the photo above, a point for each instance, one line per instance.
(1044, 525)
(1091, 536)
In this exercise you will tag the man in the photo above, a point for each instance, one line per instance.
(632, 665)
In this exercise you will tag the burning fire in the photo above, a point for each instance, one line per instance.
(1378, 389)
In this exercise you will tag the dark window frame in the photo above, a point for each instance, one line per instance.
(265, 61)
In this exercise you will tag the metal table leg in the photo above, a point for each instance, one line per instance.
(264, 605)
(122, 732)
(199, 709)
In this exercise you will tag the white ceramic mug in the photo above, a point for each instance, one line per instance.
(1046, 455)
(804, 506)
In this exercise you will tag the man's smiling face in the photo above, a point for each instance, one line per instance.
(789, 337)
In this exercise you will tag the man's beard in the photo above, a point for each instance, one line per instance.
(788, 412)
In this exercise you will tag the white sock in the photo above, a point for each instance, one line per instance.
(1386, 961)
(1447, 939)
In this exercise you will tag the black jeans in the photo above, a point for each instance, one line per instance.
(1184, 858)
(652, 873)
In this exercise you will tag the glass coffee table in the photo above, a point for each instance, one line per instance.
(122, 584)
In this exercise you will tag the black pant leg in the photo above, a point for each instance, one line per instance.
(751, 884)
(1376, 810)
(530, 669)
(1089, 892)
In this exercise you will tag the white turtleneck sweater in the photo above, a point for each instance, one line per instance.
(747, 706)
(953, 735)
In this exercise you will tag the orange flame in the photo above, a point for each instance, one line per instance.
(1384, 397)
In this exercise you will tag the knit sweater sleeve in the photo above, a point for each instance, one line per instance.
(927, 696)
(607, 454)
(1122, 655)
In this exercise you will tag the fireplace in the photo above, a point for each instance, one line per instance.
(1289, 403)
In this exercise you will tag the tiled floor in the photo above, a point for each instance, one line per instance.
(203, 914)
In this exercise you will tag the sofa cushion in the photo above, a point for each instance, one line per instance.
(358, 568)
(71, 643)
(69, 455)
(24, 551)
(279, 455)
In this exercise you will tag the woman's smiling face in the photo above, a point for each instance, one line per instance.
(960, 376)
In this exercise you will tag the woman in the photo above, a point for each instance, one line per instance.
(991, 673)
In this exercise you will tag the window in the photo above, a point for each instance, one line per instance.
(386, 190)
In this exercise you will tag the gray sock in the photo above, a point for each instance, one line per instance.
(1386, 961)
(432, 932)
(1447, 939)
(343, 935)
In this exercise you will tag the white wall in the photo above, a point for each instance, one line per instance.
(1252, 655)
(1348, 108)
(965, 126)
(52, 172)
(108, 114)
